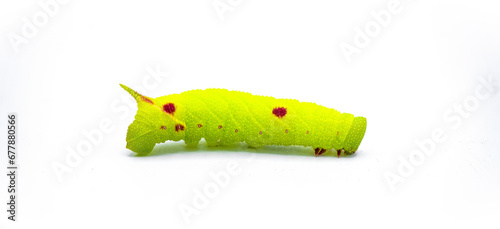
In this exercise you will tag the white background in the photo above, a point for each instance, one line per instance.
(429, 58)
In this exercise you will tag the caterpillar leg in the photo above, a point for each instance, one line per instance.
(346, 152)
(318, 151)
(253, 145)
(212, 143)
(220, 143)
(191, 144)
(227, 142)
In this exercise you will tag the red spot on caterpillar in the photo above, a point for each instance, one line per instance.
(179, 127)
(169, 108)
(163, 127)
(220, 127)
(236, 131)
(279, 112)
(146, 99)
(199, 125)
(286, 131)
(307, 132)
(260, 132)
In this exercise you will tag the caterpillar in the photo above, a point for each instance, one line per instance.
(224, 117)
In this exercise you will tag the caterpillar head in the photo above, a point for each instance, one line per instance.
(154, 123)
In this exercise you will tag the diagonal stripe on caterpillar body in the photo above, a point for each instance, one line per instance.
(225, 117)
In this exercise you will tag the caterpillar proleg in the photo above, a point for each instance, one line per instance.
(224, 117)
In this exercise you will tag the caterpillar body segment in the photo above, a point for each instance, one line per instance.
(224, 117)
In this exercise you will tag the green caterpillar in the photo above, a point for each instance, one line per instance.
(225, 117)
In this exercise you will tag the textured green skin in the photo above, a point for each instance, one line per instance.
(305, 124)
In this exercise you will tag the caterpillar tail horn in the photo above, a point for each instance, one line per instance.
(138, 97)
(141, 135)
